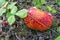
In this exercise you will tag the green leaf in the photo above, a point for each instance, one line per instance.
(2, 2)
(2, 11)
(22, 13)
(54, 11)
(12, 4)
(36, 1)
(43, 1)
(58, 2)
(49, 8)
(38, 6)
(11, 19)
(59, 29)
(8, 15)
(14, 10)
(58, 38)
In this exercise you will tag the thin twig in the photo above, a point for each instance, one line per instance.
(54, 31)
(17, 37)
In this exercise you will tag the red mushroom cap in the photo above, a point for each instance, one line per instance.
(38, 20)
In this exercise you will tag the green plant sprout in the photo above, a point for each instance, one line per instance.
(39, 3)
(11, 10)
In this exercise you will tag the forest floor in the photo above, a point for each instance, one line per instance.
(21, 32)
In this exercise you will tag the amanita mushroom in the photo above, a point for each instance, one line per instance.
(38, 20)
